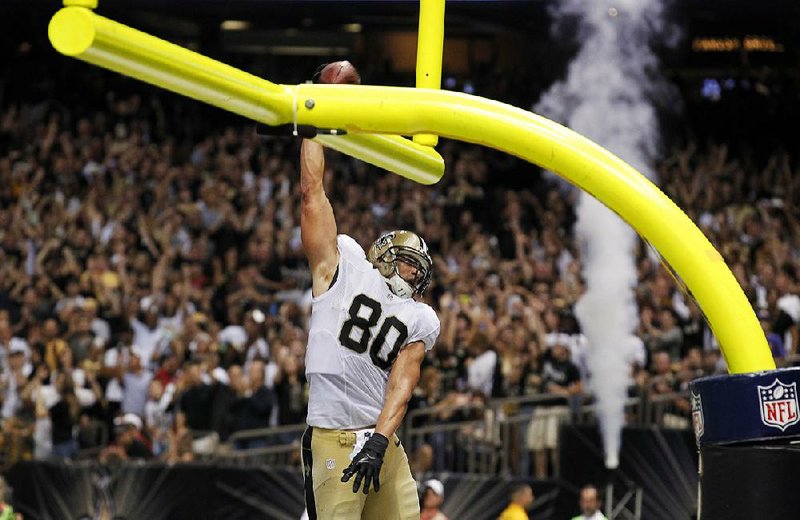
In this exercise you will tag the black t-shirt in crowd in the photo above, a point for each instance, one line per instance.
(196, 404)
(562, 373)
(292, 406)
(693, 332)
(61, 421)
(138, 450)
(254, 411)
(452, 369)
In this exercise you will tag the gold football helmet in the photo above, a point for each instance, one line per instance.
(407, 247)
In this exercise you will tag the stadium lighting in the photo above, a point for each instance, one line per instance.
(234, 25)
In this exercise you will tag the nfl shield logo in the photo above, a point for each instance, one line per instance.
(697, 416)
(778, 405)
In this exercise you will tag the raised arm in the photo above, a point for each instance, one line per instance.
(317, 223)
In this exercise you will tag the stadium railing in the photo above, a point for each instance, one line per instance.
(473, 438)
(276, 446)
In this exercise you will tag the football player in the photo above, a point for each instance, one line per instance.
(367, 338)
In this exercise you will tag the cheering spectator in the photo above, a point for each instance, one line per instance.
(12, 381)
(253, 409)
(135, 381)
(157, 415)
(129, 442)
(196, 398)
(291, 391)
(9, 344)
(64, 417)
(559, 377)
(148, 335)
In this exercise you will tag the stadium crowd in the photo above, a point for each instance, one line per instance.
(154, 295)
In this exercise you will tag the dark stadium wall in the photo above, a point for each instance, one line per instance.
(87, 490)
(662, 462)
(154, 491)
(765, 486)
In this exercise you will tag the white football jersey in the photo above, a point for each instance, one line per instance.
(358, 326)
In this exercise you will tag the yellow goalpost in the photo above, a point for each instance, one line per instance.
(373, 120)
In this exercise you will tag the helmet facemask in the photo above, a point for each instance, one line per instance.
(406, 247)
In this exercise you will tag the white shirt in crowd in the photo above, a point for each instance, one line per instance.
(134, 391)
(113, 357)
(101, 329)
(147, 340)
(480, 373)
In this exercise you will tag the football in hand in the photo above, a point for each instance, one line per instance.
(338, 72)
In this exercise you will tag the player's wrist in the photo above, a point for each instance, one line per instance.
(377, 442)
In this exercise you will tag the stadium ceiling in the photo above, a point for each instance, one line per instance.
(463, 16)
(264, 24)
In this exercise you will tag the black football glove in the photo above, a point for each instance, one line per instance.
(366, 465)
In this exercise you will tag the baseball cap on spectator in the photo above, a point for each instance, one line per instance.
(17, 347)
(435, 485)
(233, 335)
(129, 419)
(557, 338)
(201, 338)
(220, 375)
(148, 304)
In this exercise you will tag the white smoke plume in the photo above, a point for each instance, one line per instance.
(605, 97)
